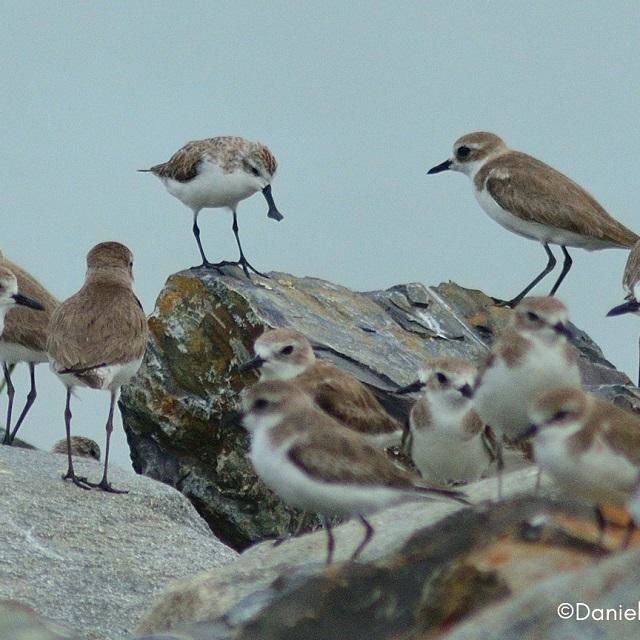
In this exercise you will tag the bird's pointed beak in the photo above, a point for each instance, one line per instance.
(443, 166)
(466, 391)
(254, 363)
(273, 210)
(18, 298)
(410, 388)
(529, 432)
(562, 329)
(630, 306)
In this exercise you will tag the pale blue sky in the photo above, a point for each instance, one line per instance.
(356, 100)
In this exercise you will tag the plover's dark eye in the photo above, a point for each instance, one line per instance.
(534, 317)
(559, 415)
(255, 171)
(287, 350)
(260, 404)
(442, 379)
(463, 152)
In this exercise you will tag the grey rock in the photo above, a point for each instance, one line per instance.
(238, 590)
(91, 560)
(176, 410)
(612, 584)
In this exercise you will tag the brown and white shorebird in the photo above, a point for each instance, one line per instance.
(219, 172)
(448, 441)
(24, 339)
(97, 337)
(532, 355)
(314, 463)
(286, 354)
(534, 200)
(590, 447)
(80, 446)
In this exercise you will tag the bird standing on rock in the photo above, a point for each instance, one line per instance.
(220, 172)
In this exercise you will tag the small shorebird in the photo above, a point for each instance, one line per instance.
(534, 200)
(590, 447)
(630, 281)
(219, 172)
(80, 446)
(286, 354)
(532, 355)
(24, 339)
(448, 441)
(97, 337)
(314, 463)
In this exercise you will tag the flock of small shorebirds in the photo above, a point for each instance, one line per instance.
(318, 434)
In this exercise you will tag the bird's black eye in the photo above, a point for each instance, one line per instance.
(287, 350)
(255, 171)
(560, 415)
(534, 317)
(260, 404)
(442, 379)
(463, 152)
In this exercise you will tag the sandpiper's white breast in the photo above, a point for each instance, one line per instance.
(212, 187)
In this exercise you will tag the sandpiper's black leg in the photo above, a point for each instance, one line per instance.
(31, 397)
(104, 483)
(365, 541)
(10, 394)
(551, 263)
(326, 523)
(566, 265)
(196, 233)
(243, 262)
(70, 475)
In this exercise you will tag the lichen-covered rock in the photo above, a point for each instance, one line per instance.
(176, 410)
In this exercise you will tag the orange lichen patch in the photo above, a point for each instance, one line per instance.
(181, 289)
(615, 515)
(156, 328)
(167, 405)
(479, 318)
(520, 563)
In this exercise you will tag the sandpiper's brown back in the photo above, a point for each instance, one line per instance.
(24, 326)
(103, 323)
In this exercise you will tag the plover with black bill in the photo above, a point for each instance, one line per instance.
(220, 172)
(534, 200)
(97, 338)
(286, 354)
(531, 355)
(81, 447)
(312, 462)
(448, 442)
(24, 339)
(590, 447)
